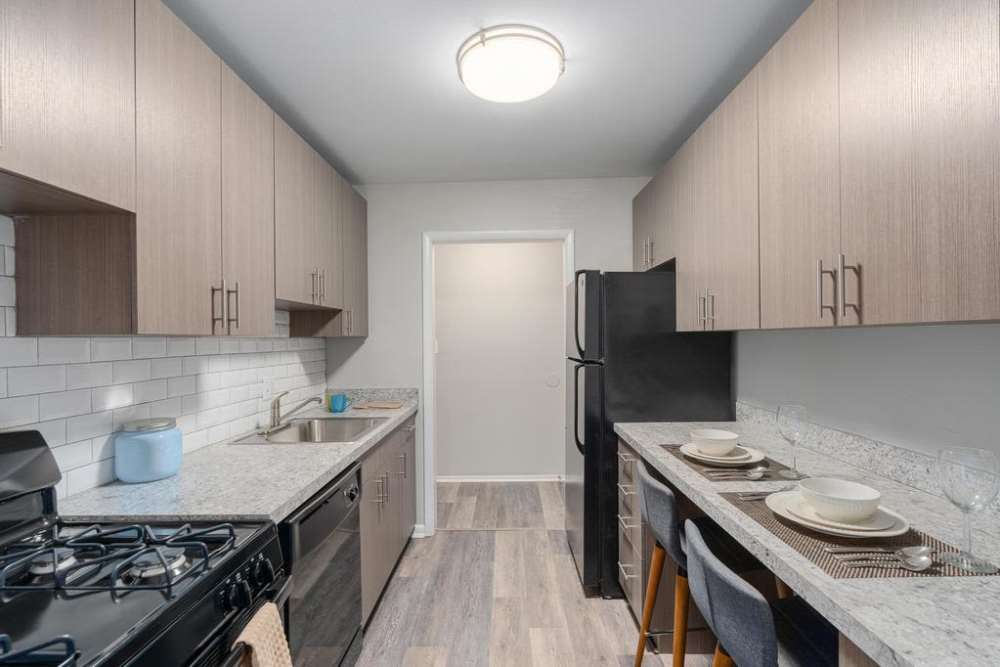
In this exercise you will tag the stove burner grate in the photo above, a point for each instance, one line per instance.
(58, 652)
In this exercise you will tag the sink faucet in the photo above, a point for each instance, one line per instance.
(276, 415)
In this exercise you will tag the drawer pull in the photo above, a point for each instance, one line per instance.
(626, 490)
(625, 458)
(623, 524)
(625, 574)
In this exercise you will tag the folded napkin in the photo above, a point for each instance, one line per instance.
(265, 636)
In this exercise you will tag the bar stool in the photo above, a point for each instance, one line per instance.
(752, 632)
(659, 509)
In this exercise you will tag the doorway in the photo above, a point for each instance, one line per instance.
(494, 405)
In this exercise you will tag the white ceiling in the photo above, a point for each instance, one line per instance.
(372, 83)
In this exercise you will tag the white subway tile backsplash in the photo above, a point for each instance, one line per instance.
(73, 455)
(18, 351)
(64, 404)
(110, 349)
(6, 231)
(88, 426)
(180, 347)
(147, 392)
(131, 371)
(166, 368)
(10, 321)
(115, 396)
(8, 292)
(8, 262)
(81, 376)
(147, 347)
(79, 391)
(63, 350)
(35, 380)
(207, 346)
(18, 411)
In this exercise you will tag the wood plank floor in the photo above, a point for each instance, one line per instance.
(502, 591)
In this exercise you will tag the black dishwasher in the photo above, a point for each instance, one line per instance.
(322, 545)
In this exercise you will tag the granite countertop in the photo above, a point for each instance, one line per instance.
(226, 482)
(903, 621)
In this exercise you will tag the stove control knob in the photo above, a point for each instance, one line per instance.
(244, 595)
(230, 599)
(263, 572)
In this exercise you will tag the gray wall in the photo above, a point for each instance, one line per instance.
(918, 387)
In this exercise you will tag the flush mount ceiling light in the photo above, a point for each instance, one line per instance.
(510, 63)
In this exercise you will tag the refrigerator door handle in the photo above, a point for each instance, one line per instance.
(576, 312)
(576, 408)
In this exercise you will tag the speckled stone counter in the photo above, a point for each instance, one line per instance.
(937, 621)
(228, 482)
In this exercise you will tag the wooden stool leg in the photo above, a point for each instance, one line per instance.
(784, 592)
(682, 598)
(653, 585)
(721, 658)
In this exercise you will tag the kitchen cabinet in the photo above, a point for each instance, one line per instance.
(354, 217)
(295, 208)
(920, 177)
(388, 510)
(800, 173)
(247, 209)
(643, 225)
(68, 109)
(329, 232)
(179, 171)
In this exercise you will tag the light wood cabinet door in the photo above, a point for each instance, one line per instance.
(920, 173)
(643, 221)
(178, 216)
(729, 199)
(247, 208)
(693, 209)
(67, 96)
(329, 231)
(354, 214)
(372, 514)
(799, 172)
(295, 209)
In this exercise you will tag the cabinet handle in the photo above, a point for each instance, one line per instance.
(702, 310)
(379, 497)
(233, 320)
(322, 285)
(403, 472)
(388, 491)
(626, 575)
(820, 272)
(625, 526)
(349, 327)
(314, 276)
(221, 319)
(625, 458)
(843, 268)
(710, 317)
(626, 490)
(652, 255)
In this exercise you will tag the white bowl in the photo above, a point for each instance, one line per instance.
(713, 441)
(839, 499)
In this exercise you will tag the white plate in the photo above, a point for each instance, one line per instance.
(880, 520)
(756, 456)
(779, 502)
(739, 453)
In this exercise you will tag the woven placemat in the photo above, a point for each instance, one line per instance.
(773, 473)
(811, 544)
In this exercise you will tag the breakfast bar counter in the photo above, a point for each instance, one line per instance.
(934, 621)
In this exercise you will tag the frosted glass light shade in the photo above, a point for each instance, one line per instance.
(510, 63)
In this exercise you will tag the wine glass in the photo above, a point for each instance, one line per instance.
(970, 479)
(792, 425)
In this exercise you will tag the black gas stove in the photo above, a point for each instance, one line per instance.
(118, 593)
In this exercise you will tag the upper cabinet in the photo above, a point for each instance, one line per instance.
(247, 209)
(354, 214)
(643, 222)
(179, 177)
(852, 178)
(67, 113)
(920, 172)
(800, 173)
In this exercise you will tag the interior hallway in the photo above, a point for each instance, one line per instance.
(497, 586)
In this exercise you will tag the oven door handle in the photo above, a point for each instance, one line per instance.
(236, 655)
(281, 593)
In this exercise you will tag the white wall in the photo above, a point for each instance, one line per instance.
(917, 387)
(499, 332)
(598, 210)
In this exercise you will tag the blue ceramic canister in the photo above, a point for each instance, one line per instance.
(147, 449)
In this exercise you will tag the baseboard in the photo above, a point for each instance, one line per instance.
(447, 479)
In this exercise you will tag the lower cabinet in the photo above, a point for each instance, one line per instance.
(635, 552)
(388, 510)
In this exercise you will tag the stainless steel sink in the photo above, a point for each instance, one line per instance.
(323, 430)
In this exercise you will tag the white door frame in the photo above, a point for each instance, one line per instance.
(427, 395)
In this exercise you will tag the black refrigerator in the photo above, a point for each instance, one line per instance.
(626, 362)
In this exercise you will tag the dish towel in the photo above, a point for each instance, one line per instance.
(265, 636)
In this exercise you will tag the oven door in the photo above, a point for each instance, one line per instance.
(324, 608)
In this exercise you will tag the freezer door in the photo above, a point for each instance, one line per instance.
(583, 316)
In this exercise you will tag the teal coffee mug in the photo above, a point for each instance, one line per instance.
(339, 402)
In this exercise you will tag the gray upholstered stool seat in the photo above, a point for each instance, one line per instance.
(752, 631)
(658, 506)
